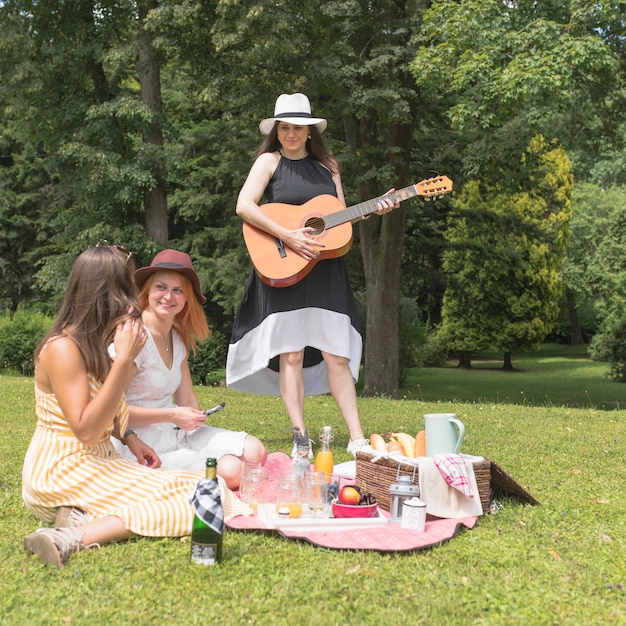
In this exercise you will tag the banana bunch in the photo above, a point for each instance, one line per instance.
(404, 443)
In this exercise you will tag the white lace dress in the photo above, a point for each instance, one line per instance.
(153, 387)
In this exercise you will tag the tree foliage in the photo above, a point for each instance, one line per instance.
(525, 68)
(410, 89)
(595, 266)
(505, 254)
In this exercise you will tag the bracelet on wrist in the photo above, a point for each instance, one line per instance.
(127, 434)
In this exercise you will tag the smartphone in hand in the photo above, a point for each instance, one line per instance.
(215, 409)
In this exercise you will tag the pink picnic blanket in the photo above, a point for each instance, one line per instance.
(389, 538)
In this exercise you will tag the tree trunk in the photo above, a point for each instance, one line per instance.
(465, 360)
(435, 288)
(508, 363)
(381, 245)
(148, 70)
(381, 248)
(576, 333)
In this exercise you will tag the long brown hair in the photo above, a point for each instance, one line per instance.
(100, 293)
(191, 322)
(315, 147)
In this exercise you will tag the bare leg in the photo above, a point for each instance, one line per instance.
(254, 451)
(343, 390)
(104, 530)
(230, 467)
(292, 387)
(55, 545)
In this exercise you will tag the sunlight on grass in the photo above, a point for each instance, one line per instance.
(538, 380)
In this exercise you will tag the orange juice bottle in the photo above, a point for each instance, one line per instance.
(324, 459)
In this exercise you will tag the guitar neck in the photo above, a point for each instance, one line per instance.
(369, 206)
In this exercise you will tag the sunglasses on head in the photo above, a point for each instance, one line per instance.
(127, 253)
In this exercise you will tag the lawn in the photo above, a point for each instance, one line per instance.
(555, 376)
(558, 563)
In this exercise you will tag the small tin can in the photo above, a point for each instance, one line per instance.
(399, 492)
(414, 514)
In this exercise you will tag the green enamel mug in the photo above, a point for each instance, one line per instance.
(444, 433)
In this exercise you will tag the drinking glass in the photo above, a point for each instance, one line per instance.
(289, 495)
(248, 465)
(316, 495)
(253, 487)
(336, 482)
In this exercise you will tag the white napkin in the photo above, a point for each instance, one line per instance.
(347, 469)
(441, 499)
(231, 504)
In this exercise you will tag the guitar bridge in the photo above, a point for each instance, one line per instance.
(281, 247)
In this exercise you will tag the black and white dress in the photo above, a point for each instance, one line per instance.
(316, 314)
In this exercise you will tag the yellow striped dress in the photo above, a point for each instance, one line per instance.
(60, 471)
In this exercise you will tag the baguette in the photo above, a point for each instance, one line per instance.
(378, 443)
(420, 443)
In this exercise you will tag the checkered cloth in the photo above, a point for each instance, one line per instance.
(453, 468)
(207, 503)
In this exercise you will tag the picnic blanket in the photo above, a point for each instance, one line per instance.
(389, 538)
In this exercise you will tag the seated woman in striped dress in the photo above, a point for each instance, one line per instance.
(71, 464)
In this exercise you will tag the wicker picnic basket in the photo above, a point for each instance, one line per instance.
(377, 477)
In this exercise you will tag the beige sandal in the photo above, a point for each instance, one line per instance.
(70, 517)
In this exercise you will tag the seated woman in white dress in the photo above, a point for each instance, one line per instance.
(164, 408)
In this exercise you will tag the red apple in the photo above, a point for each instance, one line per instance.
(350, 494)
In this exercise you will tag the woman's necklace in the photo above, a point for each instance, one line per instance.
(167, 342)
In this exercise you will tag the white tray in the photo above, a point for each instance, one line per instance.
(267, 514)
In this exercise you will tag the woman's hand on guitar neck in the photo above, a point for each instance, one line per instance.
(387, 202)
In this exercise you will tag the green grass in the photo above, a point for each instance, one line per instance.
(555, 376)
(558, 563)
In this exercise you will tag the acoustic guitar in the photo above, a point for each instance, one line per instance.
(279, 266)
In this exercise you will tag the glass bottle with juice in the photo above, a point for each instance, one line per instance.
(324, 459)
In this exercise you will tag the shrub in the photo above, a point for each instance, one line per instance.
(599, 346)
(610, 345)
(418, 345)
(431, 353)
(210, 357)
(20, 333)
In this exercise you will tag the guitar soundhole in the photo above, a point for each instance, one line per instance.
(317, 223)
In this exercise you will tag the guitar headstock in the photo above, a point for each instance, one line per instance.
(434, 187)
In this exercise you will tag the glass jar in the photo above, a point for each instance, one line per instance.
(289, 496)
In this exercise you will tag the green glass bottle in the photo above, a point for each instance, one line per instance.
(206, 543)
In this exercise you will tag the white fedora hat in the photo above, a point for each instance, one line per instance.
(294, 109)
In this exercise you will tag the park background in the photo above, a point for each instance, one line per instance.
(136, 122)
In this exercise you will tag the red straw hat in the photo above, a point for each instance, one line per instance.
(173, 261)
